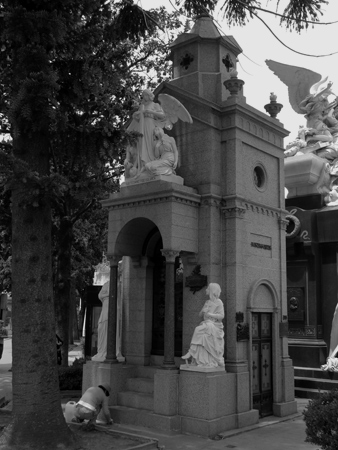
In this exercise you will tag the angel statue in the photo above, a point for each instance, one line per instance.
(147, 120)
(166, 155)
(308, 95)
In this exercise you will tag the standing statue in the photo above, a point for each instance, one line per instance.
(149, 117)
(207, 343)
(103, 324)
(308, 95)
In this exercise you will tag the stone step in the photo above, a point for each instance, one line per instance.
(315, 383)
(139, 400)
(144, 418)
(146, 371)
(315, 372)
(307, 392)
(144, 385)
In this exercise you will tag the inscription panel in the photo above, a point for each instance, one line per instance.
(260, 245)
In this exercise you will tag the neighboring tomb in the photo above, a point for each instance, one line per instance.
(311, 178)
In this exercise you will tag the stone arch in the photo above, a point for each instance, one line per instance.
(263, 296)
(132, 237)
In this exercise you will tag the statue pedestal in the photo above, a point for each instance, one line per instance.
(306, 175)
(204, 411)
(192, 368)
(150, 178)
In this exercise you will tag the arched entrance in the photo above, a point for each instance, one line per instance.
(263, 301)
(145, 294)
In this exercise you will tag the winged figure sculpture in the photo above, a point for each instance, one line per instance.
(154, 152)
(300, 82)
(173, 110)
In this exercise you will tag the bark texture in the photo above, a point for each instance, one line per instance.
(37, 421)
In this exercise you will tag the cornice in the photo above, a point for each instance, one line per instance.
(238, 205)
(211, 200)
(192, 200)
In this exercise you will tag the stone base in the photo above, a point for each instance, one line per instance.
(192, 368)
(116, 375)
(207, 395)
(210, 428)
(143, 418)
(165, 392)
(90, 375)
(150, 178)
(284, 409)
(306, 175)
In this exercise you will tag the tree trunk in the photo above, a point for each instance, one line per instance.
(37, 419)
(62, 285)
(74, 329)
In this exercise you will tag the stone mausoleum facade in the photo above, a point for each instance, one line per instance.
(221, 219)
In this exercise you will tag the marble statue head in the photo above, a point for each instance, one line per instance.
(148, 93)
(214, 290)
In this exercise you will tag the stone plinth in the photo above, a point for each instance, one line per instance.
(149, 178)
(192, 368)
(208, 403)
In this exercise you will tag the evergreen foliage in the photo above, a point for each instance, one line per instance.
(321, 419)
(67, 84)
(296, 16)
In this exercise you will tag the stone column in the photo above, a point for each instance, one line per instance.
(169, 319)
(112, 310)
(233, 289)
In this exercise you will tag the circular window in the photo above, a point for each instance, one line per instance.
(259, 176)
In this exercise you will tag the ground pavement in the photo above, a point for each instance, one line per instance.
(271, 433)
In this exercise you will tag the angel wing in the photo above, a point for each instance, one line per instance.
(298, 80)
(173, 110)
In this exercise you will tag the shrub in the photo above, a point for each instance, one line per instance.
(70, 378)
(321, 418)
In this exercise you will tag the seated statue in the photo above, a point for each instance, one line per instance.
(207, 343)
(166, 155)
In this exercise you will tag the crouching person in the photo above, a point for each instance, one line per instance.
(91, 403)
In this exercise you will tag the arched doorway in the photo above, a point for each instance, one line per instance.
(262, 303)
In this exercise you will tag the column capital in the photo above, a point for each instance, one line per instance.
(113, 259)
(234, 212)
(170, 255)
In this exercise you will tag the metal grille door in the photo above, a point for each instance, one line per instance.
(262, 363)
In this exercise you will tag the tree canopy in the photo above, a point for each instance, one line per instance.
(296, 15)
(68, 78)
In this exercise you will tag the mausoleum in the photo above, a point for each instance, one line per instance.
(311, 179)
(217, 215)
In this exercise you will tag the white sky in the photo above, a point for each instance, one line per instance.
(259, 44)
